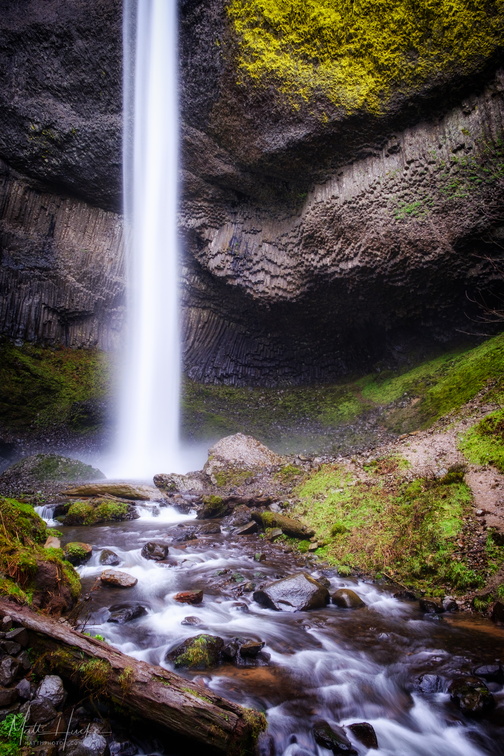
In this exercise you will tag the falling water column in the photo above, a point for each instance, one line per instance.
(148, 427)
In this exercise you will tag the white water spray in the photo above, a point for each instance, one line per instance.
(148, 432)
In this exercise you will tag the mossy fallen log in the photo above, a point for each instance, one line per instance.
(143, 691)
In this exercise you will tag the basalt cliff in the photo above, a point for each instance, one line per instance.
(328, 221)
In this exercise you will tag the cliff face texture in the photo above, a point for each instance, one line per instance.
(328, 221)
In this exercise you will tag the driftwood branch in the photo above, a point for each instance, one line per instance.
(143, 690)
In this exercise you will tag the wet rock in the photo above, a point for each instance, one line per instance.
(430, 606)
(8, 696)
(24, 659)
(18, 635)
(405, 596)
(497, 614)
(490, 672)
(214, 507)
(118, 490)
(9, 670)
(247, 529)
(51, 689)
(365, 734)
(40, 710)
(199, 652)
(122, 613)
(288, 525)
(449, 604)
(192, 621)
(6, 623)
(471, 695)
(77, 552)
(118, 579)
(347, 599)
(109, 558)
(273, 534)
(155, 551)
(96, 511)
(243, 652)
(430, 683)
(125, 748)
(25, 689)
(189, 597)
(10, 648)
(93, 744)
(333, 738)
(208, 528)
(293, 594)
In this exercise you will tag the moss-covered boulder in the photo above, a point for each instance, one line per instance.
(48, 468)
(30, 573)
(77, 552)
(120, 490)
(199, 652)
(92, 512)
(288, 525)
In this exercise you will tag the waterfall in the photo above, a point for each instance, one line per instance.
(148, 427)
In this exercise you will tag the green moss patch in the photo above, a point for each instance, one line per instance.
(93, 512)
(326, 418)
(484, 443)
(23, 556)
(408, 530)
(45, 388)
(357, 54)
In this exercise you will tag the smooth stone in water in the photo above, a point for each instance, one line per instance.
(118, 579)
(365, 734)
(189, 597)
(155, 551)
(121, 613)
(490, 672)
(430, 683)
(297, 593)
(109, 558)
(51, 689)
(347, 599)
(333, 738)
(192, 621)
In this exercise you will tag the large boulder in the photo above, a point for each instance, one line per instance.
(118, 579)
(471, 695)
(199, 652)
(296, 593)
(234, 458)
(288, 525)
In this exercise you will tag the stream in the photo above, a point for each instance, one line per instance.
(344, 666)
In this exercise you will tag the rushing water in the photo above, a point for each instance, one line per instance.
(344, 666)
(148, 433)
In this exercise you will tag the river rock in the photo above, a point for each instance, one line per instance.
(122, 613)
(190, 483)
(288, 525)
(497, 614)
(52, 543)
(244, 652)
(347, 599)
(118, 490)
(189, 597)
(234, 454)
(215, 507)
(126, 748)
(247, 529)
(40, 710)
(296, 593)
(93, 744)
(471, 695)
(490, 672)
(118, 579)
(77, 552)
(109, 558)
(199, 652)
(365, 734)
(18, 635)
(52, 689)
(9, 670)
(430, 683)
(192, 621)
(8, 696)
(333, 737)
(155, 551)
(431, 606)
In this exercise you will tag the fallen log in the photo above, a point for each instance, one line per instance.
(143, 690)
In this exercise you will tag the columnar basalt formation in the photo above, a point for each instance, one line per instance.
(316, 241)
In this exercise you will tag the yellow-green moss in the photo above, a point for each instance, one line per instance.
(356, 53)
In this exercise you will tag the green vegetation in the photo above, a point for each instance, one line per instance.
(358, 54)
(200, 652)
(22, 554)
(294, 418)
(91, 513)
(44, 388)
(95, 675)
(231, 477)
(483, 444)
(12, 734)
(408, 530)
